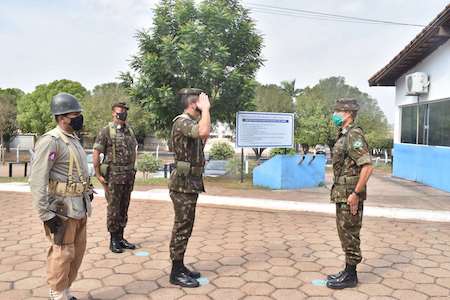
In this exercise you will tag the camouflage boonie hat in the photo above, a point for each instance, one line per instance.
(189, 91)
(120, 104)
(346, 104)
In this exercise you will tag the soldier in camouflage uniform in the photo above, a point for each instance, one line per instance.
(189, 133)
(352, 168)
(117, 172)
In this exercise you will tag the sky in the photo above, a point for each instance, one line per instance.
(91, 41)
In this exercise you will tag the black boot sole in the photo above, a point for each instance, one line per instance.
(116, 250)
(128, 247)
(341, 287)
(174, 282)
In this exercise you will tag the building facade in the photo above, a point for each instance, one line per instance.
(422, 120)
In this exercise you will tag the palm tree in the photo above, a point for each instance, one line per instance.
(289, 88)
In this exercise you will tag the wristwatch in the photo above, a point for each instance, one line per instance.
(357, 193)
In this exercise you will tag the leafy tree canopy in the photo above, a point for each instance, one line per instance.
(33, 110)
(213, 46)
(97, 110)
(315, 106)
(8, 113)
(272, 98)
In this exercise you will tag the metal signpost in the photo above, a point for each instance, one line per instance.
(263, 130)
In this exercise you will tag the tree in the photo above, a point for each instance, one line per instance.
(272, 98)
(33, 110)
(213, 46)
(316, 106)
(8, 113)
(148, 164)
(97, 110)
(290, 90)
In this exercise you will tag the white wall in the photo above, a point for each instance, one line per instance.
(437, 66)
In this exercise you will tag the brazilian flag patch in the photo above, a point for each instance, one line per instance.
(358, 144)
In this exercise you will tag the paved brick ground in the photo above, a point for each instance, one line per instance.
(245, 254)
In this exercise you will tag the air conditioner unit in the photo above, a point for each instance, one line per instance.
(417, 84)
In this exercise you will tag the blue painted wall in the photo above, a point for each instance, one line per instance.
(426, 164)
(285, 172)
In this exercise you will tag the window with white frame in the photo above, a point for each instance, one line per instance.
(434, 124)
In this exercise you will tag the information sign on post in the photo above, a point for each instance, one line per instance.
(263, 130)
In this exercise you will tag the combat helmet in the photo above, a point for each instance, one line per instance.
(64, 103)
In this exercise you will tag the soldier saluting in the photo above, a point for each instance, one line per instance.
(189, 133)
(117, 172)
(352, 167)
(62, 194)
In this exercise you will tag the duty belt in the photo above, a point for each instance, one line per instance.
(346, 180)
(75, 189)
(187, 167)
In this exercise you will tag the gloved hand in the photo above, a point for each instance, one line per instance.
(91, 192)
(53, 224)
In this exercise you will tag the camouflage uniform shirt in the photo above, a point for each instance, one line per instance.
(350, 153)
(121, 170)
(188, 147)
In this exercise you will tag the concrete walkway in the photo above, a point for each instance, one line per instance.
(242, 254)
(388, 197)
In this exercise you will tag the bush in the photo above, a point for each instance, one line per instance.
(221, 151)
(289, 151)
(234, 167)
(147, 164)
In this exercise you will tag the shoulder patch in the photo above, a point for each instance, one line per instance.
(52, 156)
(358, 144)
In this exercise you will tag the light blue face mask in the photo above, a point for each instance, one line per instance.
(337, 119)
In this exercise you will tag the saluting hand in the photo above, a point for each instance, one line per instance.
(353, 201)
(203, 102)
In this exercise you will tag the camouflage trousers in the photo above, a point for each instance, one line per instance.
(118, 202)
(349, 227)
(184, 205)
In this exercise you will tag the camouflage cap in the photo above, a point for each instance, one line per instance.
(346, 104)
(189, 91)
(120, 104)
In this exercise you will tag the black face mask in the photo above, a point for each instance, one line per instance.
(77, 122)
(122, 116)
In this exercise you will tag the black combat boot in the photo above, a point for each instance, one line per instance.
(114, 244)
(348, 279)
(337, 275)
(193, 274)
(179, 276)
(124, 243)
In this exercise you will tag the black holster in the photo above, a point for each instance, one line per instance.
(58, 236)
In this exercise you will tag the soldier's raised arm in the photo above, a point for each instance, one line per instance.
(204, 125)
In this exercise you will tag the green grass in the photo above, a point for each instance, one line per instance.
(139, 182)
(232, 183)
(150, 181)
(13, 179)
(223, 182)
(383, 167)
